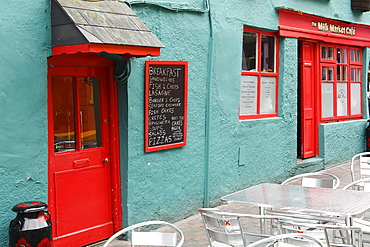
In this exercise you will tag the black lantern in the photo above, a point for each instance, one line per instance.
(362, 5)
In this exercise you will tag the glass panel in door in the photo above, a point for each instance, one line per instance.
(76, 103)
(89, 111)
(63, 113)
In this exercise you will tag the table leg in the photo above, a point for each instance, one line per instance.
(349, 222)
(263, 221)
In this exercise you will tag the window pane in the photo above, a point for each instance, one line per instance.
(355, 98)
(338, 72)
(342, 72)
(248, 95)
(323, 73)
(249, 60)
(355, 56)
(327, 52)
(342, 97)
(358, 57)
(268, 95)
(330, 53)
(358, 75)
(327, 73)
(268, 54)
(339, 67)
(330, 73)
(355, 74)
(323, 52)
(342, 55)
(327, 100)
(64, 113)
(89, 111)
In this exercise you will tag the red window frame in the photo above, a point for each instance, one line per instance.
(259, 74)
(338, 79)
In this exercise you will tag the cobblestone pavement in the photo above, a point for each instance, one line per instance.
(192, 227)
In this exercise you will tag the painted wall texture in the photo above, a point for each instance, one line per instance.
(223, 154)
(175, 183)
(176, 174)
(339, 140)
(25, 45)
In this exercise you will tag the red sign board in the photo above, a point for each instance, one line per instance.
(166, 85)
(297, 24)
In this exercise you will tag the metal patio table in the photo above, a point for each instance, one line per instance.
(335, 202)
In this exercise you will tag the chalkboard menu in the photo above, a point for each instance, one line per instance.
(165, 104)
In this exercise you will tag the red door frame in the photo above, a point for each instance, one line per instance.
(91, 60)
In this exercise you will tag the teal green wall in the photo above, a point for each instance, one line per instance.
(335, 9)
(170, 184)
(24, 47)
(341, 140)
(269, 153)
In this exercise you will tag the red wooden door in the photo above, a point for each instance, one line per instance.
(308, 126)
(80, 188)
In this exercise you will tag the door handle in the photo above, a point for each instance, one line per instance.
(106, 160)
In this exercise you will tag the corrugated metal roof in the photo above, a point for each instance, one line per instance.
(106, 22)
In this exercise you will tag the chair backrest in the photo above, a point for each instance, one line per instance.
(326, 233)
(231, 228)
(152, 238)
(361, 184)
(360, 166)
(288, 240)
(305, 228)
(316, 179)
(222, 229)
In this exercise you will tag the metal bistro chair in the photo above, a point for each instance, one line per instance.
(362, 220)
(329, 234)
(287, 240)
(232, 229)
(153, 238)
(360, 166)
(315, 179)
(360, 185)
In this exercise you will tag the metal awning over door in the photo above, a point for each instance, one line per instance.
(100, 26)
